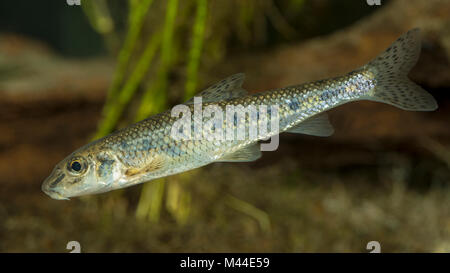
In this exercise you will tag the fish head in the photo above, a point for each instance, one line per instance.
(81, 173)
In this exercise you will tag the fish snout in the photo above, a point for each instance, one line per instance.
(50, 185)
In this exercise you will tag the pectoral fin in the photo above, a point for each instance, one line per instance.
(247, 154)
(318, 125)
(155, 164)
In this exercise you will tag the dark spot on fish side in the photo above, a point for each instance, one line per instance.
(324, 96)
(293, 105)
(124, 145)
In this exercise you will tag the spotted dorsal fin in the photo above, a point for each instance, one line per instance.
(226, 89)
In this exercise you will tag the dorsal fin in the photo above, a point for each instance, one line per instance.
(226, 89)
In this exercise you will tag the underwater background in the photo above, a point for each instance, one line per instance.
(70, 74)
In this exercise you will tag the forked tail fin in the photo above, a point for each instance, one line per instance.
(391, 69)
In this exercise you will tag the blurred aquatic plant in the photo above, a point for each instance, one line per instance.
(439, 150)
(99, 17)
(150, 202)
(119, 94)
(154, 99)
(161, 36)
(136, 18)
(198, 33)
(260, 216)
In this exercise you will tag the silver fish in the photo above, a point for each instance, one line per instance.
(146, 150)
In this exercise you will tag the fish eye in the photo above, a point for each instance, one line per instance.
(76, 166)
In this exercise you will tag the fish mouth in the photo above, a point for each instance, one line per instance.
(48, 187)
(55, 195)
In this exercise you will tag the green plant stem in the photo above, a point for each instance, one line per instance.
(99, 17)
(136, 18)
(196, 48)
(155, 97)
(113, 111)
(149, 206)
(260, 216)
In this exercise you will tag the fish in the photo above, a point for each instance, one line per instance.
(148, 150)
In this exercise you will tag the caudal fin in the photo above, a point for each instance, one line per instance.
(391, 69)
